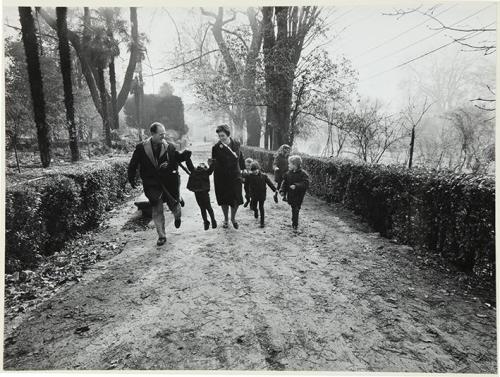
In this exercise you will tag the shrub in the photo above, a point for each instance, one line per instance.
(441, 212)
(43, 214)
(61, 211)
(25, 232)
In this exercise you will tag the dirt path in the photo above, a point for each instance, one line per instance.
(331, 297)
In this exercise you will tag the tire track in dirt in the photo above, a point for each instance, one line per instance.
(332, 296)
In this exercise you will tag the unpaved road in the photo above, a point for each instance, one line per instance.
(331, 297)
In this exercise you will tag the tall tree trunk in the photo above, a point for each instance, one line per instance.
(112, 82)
(139, 101)
(270, 70)
(135, 56)
(104, 104)
(412, 144)
(112, 76)
(252, 116)
(15, 148)
(65, 58)
(36, 84)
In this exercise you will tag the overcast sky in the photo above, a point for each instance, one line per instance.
(375, 43)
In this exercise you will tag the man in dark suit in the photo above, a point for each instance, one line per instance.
(158, 163)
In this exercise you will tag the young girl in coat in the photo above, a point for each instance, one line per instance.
(294, 187)
(257, 184)
(246, 172)
(280, 163)
(199, 183)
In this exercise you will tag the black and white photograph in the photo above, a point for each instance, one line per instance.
(250, 187)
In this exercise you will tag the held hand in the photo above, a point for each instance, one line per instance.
(276, 196)
(132, 183)
(211, 161)
(292, 187)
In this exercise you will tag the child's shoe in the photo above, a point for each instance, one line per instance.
(275, 197)
(206, 224)
(246, 204)
(214, 224)
(256, 214)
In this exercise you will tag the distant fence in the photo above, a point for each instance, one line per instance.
(42, 214)
(443, 212)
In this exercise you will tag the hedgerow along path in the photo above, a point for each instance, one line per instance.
(333, 296)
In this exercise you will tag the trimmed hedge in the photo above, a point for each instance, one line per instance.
(42, 215)
(443, 212)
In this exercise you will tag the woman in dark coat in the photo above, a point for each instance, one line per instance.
(229, 163)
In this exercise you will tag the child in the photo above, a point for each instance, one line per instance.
(294, 186)
(257, 185)
(199, 183)
(246, 172)
(280, 164)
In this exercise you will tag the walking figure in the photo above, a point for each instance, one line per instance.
(244, 174)
(280, 164)
(257, 182)
(294, 186)
(199, 183)
(229, 163)
(158, 163)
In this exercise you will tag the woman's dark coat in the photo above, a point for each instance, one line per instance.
(227, 173)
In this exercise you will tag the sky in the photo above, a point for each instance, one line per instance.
(375, 43)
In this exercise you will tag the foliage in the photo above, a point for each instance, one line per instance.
(18, 107)
(168, 110)
(43, 214)
(441, 212)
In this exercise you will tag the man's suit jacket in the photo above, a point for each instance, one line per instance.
(153, 172)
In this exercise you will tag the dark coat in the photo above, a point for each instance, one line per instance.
(227, 173)
(257, 184)
(156, 173)
(298, 178)
(281, 163)
(199, 180)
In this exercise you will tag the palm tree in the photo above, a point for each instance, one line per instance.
(36, 84)
(65, 58)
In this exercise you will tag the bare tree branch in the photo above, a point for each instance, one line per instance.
(237, 36)
(163, 70)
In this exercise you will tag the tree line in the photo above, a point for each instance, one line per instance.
(95, 41)
(266, 68)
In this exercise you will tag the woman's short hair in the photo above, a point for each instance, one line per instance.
(255, 166)
(154, 127)
(296, 160)
(224, 128)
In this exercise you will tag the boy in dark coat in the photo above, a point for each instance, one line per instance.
(199, 183)
(257, 185)
(294, 187)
